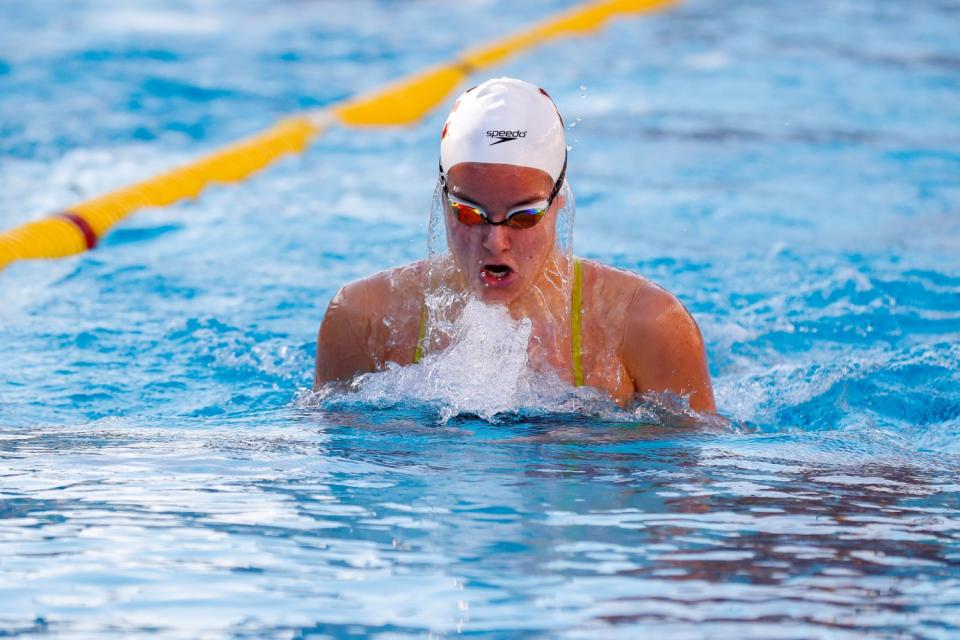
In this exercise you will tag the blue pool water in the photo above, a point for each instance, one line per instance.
(790, 170)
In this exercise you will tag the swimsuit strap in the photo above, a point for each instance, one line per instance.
(418, 354)
(576, 310)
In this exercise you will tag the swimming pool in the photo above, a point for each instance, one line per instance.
(790, 170)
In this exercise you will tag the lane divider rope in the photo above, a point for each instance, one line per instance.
(89, 235)
(82, 225)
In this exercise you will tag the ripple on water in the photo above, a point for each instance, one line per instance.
(165, 473)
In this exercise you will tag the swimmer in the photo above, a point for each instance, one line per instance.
(503, 164)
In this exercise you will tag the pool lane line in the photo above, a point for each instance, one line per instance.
(82, 225)
(89, 235)
(404, 102)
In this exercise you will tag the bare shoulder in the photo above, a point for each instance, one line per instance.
(356, 331)
(645, 310)
(381, 293)
(661, 344)
(609, 280)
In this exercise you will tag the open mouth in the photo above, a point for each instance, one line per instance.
(497, 275)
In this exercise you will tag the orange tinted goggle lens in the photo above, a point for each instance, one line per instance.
(524, 219)
(467, 215)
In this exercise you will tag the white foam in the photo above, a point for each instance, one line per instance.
(708, 60)
(158, 22)
(484, 371)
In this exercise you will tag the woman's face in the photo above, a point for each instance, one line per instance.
(500, 263)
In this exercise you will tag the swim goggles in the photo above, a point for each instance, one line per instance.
(522, 217)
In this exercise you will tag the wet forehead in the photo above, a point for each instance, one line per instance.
(498, 185)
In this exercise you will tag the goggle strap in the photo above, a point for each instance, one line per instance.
(559, 184)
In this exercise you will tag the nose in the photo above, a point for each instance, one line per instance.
(496, 238)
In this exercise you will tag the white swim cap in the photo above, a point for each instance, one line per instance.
(506, 121)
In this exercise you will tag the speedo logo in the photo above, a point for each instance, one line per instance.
(505, 136)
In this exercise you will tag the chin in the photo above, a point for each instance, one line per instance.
(504, 295)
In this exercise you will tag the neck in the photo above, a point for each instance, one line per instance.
(549, 294)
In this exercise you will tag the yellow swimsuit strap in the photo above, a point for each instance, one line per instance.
(418, 354)
(576, 310)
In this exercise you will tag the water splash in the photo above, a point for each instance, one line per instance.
(483, 372)
(487, 372)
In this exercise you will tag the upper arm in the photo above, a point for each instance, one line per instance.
(343, 348)
(663, 348)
